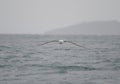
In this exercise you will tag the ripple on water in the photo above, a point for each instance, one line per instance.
(4, 46)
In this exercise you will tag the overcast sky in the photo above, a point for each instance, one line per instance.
(39, 16)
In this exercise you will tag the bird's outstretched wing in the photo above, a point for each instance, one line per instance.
(48, 42)
(74, 44)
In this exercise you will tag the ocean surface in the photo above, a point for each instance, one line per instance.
(24, 61)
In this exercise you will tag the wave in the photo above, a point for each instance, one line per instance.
(76, 68)
(4, 46)
(62, 49)
(4, 66)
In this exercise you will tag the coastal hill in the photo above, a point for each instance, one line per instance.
(95, 27)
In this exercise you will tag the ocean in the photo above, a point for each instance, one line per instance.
(24, 61)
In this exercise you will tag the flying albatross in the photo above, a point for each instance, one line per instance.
(61, 42)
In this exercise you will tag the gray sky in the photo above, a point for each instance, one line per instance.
(39, 16)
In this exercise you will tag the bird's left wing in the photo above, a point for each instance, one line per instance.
(48, 42)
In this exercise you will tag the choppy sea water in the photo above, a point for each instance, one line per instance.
(23, 61)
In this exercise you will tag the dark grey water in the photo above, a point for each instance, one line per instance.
(23, 61)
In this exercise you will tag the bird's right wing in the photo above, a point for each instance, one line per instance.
(75, 44)
(48, 42)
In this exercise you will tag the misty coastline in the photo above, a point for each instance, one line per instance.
(89, 28)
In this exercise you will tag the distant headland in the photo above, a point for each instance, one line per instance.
(95, 27)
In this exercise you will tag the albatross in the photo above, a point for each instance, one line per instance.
(61, 42)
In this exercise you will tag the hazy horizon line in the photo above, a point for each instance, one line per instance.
(58, 34)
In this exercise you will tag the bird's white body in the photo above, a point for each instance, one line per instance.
(61, 41)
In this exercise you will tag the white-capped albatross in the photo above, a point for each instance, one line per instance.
(61, 42)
